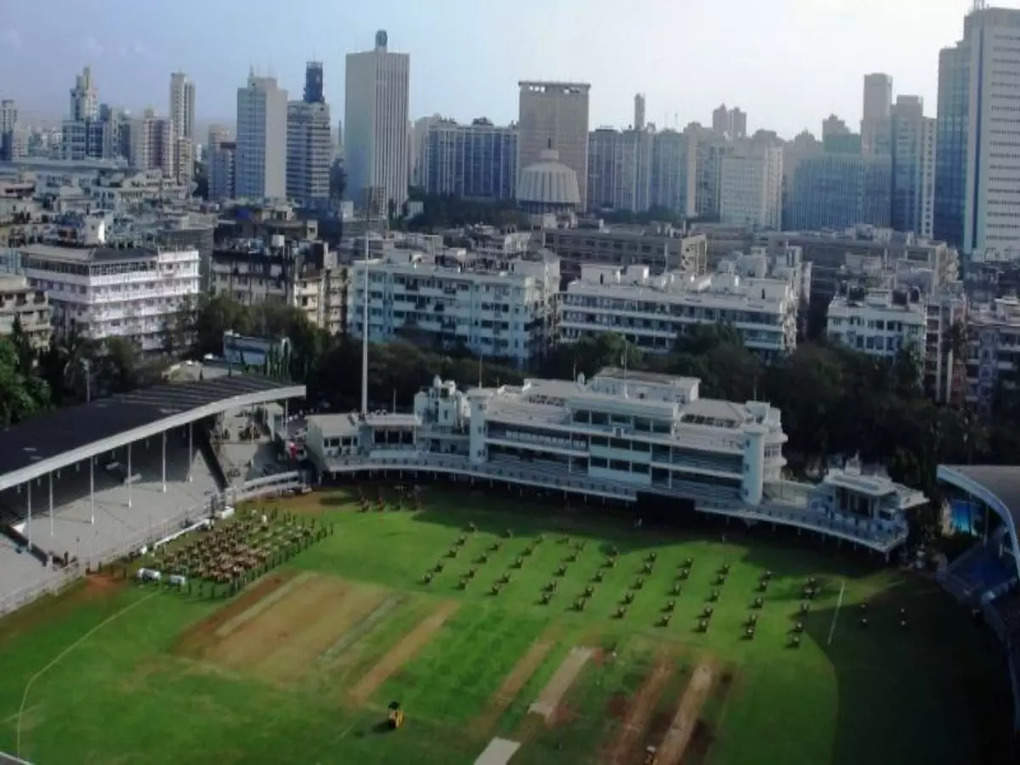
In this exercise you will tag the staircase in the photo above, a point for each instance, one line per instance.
(205, 447)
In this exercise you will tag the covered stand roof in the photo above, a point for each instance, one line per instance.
(996, 485)
(64, 437)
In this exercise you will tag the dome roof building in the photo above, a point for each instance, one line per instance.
(548, 185)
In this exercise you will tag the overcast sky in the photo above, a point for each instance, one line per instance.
(787, 63)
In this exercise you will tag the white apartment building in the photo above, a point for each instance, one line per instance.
(104, 291)
(151, 144)
(376, 142)
(653, 311)
(751, 187)
(26, 305)
(182, 106)
(993, 353)
(879, 324)
(506, 314)
(260, 161)
(625, 436)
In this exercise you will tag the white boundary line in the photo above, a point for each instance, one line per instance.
(62, 654)
(839, 602)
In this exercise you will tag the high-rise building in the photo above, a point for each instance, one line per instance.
(639, 111)
(709, 148)
(376, 142)
(620, 169)
(674, 172)
(260, 169)
(313, 83)
(554, 114)
(8, 121)
(182, 106)
(875, 127)
(913, 167)
(751, 186)
(477, 160)
(222, 157)
(976, 177)
(840, 190)
(309, 152)
(84, 97)
(730, 123)
(151, 144)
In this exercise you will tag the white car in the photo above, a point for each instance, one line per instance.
(149, 575)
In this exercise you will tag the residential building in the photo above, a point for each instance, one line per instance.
(99, 291)
(151, 144)
(913, 167)
(639, 111)
(652, 312)
(509, 313)
(875, 124)
(945, 371)
(260, 161)
(26, 305)
(309, 153)
(841, 190)
(976, 173)
(993, 352)
(623, 435)
(674, 173)
(730, 123)
(833, 126)
(376, 150)
(476, 161)
(221, 154)
(302, 274)
(182, 106)
(554, 115)
(620, 169)
(879, 323)
(751, 186)
(8, 123)
(182, 126)
(662, 248)
(709, 148)
(419, 135)
(84, 98)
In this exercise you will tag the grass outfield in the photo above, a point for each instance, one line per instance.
(301, 665)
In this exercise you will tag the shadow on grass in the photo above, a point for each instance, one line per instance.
(951, 705)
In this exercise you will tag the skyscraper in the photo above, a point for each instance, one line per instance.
(182, 106)
(151, 140)
(8, 121)
(673, 172)
(375, 112)
(84, 97)
(261, 159)
(975, 178)
(313, 83)
(554, 114)
(477, 160)
(620, 169)
(729, 123)
(834, 190)
(875, 126)
(639, 111)
(751, 186)
(913, 166)
(220, 154)
(309, 144)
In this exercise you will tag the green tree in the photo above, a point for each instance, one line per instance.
(22, 392)
(215, 316)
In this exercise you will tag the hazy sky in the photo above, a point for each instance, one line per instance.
(787, 63)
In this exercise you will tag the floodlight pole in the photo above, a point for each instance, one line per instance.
(164, 462)
(51, 502)
(92, 489)
(189, 452)
(29, 526)
(129, 474)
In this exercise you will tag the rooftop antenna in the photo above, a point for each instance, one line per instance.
(364, 340)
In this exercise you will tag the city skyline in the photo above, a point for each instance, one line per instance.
(733, 64)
